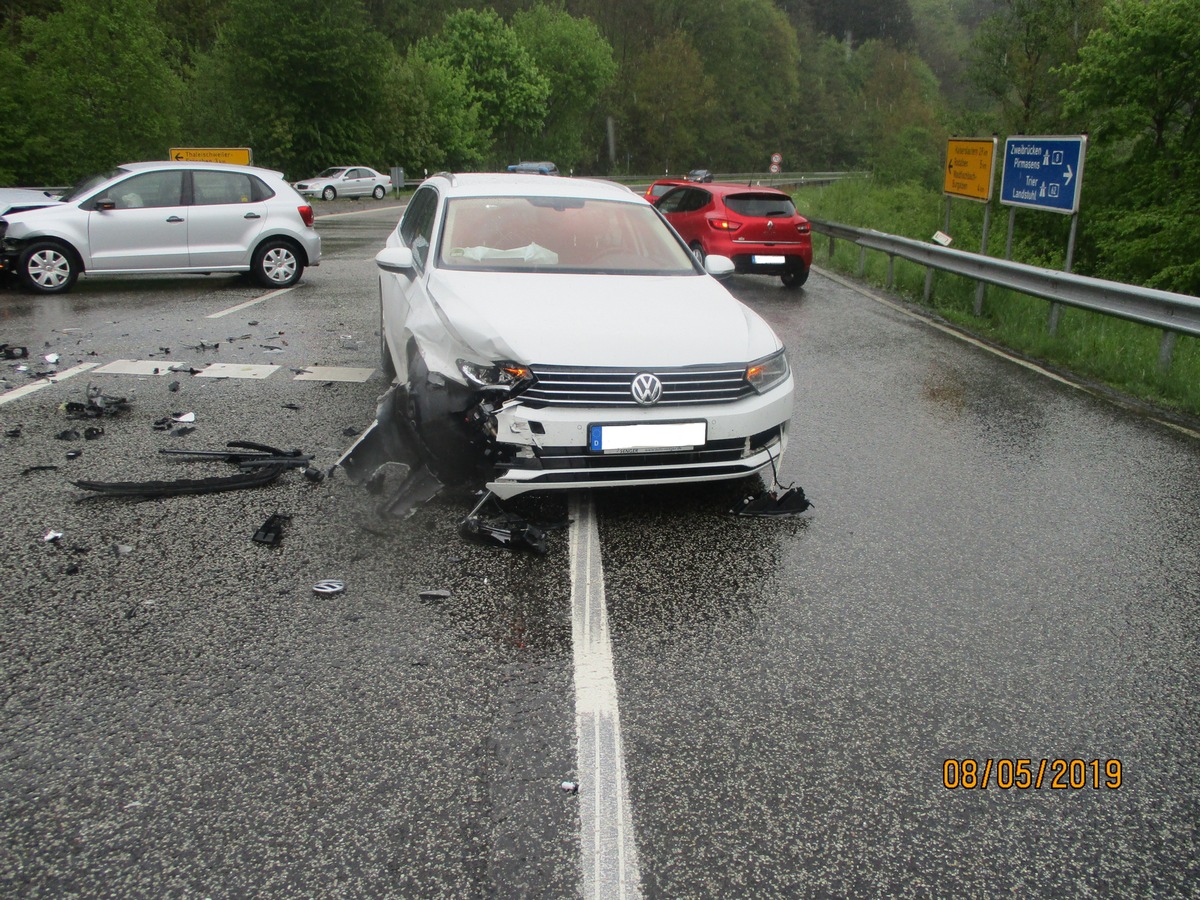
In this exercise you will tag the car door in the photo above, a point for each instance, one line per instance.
(684, 208)
(405, 306)
(139, 224)
(227, 213)
(358, 183)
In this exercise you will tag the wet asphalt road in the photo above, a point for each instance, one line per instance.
(998, 566)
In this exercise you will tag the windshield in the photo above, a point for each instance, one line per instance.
(331, 173)
(80, 188)
(560, 234)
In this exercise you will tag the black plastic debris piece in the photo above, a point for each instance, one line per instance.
(31, 469)
(313, 474)
(163, 424)
(291, 406)
(98, 404)
(13, 432)
(252, 323)
(184, 369)
(489, 523)
(173, 387)
(243, 337)
(260, 465)
(271, 531)
(74, 454)
(205, 345)
(11, 352)
(350, 431)
(92, 432)
(70, 434)
(435, 594)
(72, 569)
(182, 430)
(787, 502)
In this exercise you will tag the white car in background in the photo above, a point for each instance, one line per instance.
(555, 333)
(159, 218)
(346, 181)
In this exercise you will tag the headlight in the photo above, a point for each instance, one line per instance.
(501, 376)
(766, 373)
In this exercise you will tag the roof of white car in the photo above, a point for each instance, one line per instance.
(193, 164)
(499, 184)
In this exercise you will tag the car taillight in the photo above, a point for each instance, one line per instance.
(803, 227)
(306, 213)
(724, 224)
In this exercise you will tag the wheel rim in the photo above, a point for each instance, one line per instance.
(279, 265)
(48, 269)
(698, 252)
(378, 192)
(329, 193)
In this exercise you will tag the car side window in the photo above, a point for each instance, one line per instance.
(416, 228)
(213, 188)
(673, 201)
(148, 190)
(696, 199)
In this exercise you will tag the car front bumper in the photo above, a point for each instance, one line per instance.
(548, 448)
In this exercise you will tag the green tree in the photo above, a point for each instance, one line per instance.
(579, 66)
(502, 79)
(899, 97)
(301, 84)
(97, 91)
(428, 127)
(1136, 90)
(1015, 57)
(662, 133)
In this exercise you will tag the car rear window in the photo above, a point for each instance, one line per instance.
(760, 205)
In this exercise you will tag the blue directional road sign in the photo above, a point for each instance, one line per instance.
(1043, 172)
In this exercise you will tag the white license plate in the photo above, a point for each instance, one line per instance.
(648, 436)
(768, 260)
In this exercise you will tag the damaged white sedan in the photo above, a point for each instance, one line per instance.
(555, 333)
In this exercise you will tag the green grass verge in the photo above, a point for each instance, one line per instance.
(1123, 355)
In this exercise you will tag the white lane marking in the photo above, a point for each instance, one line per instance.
(137, 367)
(248, 303)
(609, 852)
(363, 212)
(334, 373)
(1003, 354)
(235, 370)
(17, 393)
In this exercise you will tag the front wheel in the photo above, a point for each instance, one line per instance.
(48, 268)
(378, 192)
(795, 276)
(276, 264)
(698, 252)
(329, 193)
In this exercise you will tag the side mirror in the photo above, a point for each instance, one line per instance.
(104, 205)
(397, 259)
(718, 266)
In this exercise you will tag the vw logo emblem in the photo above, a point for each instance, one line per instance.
(646, 389)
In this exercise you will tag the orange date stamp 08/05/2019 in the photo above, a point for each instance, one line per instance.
(1031, 774)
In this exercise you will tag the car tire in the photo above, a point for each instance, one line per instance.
(795, 276)
(378, 192)
(277, 264)
(329, 193)
(48, 267)
(698, 252)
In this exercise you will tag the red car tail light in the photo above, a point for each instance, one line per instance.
(724, 224)
(306, 213)
(803, 227)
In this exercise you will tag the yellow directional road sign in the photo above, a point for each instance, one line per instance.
(969, 166)
(236, 155)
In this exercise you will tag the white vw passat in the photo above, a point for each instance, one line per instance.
(554, 333)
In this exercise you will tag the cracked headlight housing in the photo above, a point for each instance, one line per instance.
(506, 377)
(768, 372)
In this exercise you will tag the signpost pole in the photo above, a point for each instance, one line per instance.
(981, 287)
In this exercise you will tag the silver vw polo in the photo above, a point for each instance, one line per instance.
(555, 333)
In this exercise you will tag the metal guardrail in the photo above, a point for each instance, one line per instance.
(1174, 313)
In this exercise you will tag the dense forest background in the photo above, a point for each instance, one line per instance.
(628, 87)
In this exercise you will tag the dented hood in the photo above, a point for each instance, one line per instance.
(591, 320)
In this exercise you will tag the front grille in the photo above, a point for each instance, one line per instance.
(570, 386)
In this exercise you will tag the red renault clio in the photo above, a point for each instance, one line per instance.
(757, 227)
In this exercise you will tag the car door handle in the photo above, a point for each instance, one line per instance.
(251, 216)
(174, 219)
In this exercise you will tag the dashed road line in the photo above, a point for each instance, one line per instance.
(608, 849)
(248, 303)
